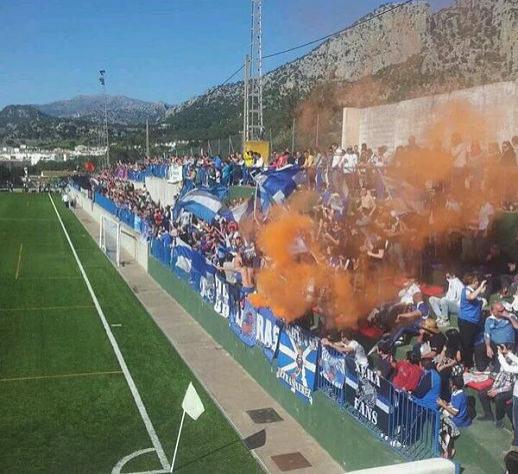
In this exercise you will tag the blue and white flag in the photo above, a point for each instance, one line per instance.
(218, 190)
(275, 186)
(221, 297)
(332, 367)
(182, 259)
(297, 361)
(201, 203)
(242, 210)
(267, 331)
(242, 321)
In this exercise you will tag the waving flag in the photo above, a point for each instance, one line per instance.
(242, 210)
(201, 203)
(275, 186)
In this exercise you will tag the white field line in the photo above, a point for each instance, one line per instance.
(129, 379)
(19, 262)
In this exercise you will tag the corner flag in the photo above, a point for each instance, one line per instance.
(192, 404)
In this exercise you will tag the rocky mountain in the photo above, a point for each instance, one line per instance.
(28, 125)
(390, 55)
(121, 109)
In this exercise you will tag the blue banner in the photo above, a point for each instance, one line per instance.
(267, 331)
(297, 361)
(332, 367)
(368, 394)
(221, 297)
(242, 321)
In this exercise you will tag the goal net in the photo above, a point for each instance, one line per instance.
(119, 244)
(110, 239)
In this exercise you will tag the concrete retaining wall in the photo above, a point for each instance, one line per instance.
(130, 240)
(391, 124)
(430, 466)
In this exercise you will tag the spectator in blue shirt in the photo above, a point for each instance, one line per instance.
(469, 315)
(428, 390)
(457, 409)
(499, 329)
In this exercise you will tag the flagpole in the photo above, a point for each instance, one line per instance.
(177, 441)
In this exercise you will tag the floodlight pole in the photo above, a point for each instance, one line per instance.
(177, 441)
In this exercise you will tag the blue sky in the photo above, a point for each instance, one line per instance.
(152, 50)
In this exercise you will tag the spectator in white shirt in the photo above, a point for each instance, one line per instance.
(509, 363)
(406, 295)
(349, 346)
(449, 303)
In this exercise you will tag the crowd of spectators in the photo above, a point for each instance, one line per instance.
(465, 334)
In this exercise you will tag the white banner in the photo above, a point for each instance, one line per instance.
(175, 174)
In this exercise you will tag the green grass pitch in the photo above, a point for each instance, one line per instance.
(65, 405)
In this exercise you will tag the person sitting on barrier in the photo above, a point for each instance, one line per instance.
(348, 346)
(429, 388)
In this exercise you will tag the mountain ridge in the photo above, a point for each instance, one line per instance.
(121, 109)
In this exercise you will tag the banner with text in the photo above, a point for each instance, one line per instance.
(368, 394)
(267, 331)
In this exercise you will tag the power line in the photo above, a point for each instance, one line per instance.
(336, 33)
(331, 35)
(232, 75)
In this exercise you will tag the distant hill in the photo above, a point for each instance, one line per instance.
(28, 125)
(121, 109)
(406, 52)
(20, 114)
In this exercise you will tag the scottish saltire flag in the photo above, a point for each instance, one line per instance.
(276, 185)
(267, 331)
(242, 321)
(297, 361)
(332, 367)
(201, 203)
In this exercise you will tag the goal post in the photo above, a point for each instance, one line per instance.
(110, 238)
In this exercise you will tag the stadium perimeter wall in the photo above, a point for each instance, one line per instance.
(392, 124)
(130, 240)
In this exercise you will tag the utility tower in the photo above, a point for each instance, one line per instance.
(102, 81)
(253, 128)
(147, 138)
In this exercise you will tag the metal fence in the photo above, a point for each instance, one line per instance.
(400, 421)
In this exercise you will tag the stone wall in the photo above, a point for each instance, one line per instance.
(392, 124)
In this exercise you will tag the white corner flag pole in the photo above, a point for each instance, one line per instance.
(177, 441)
(193, 406)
